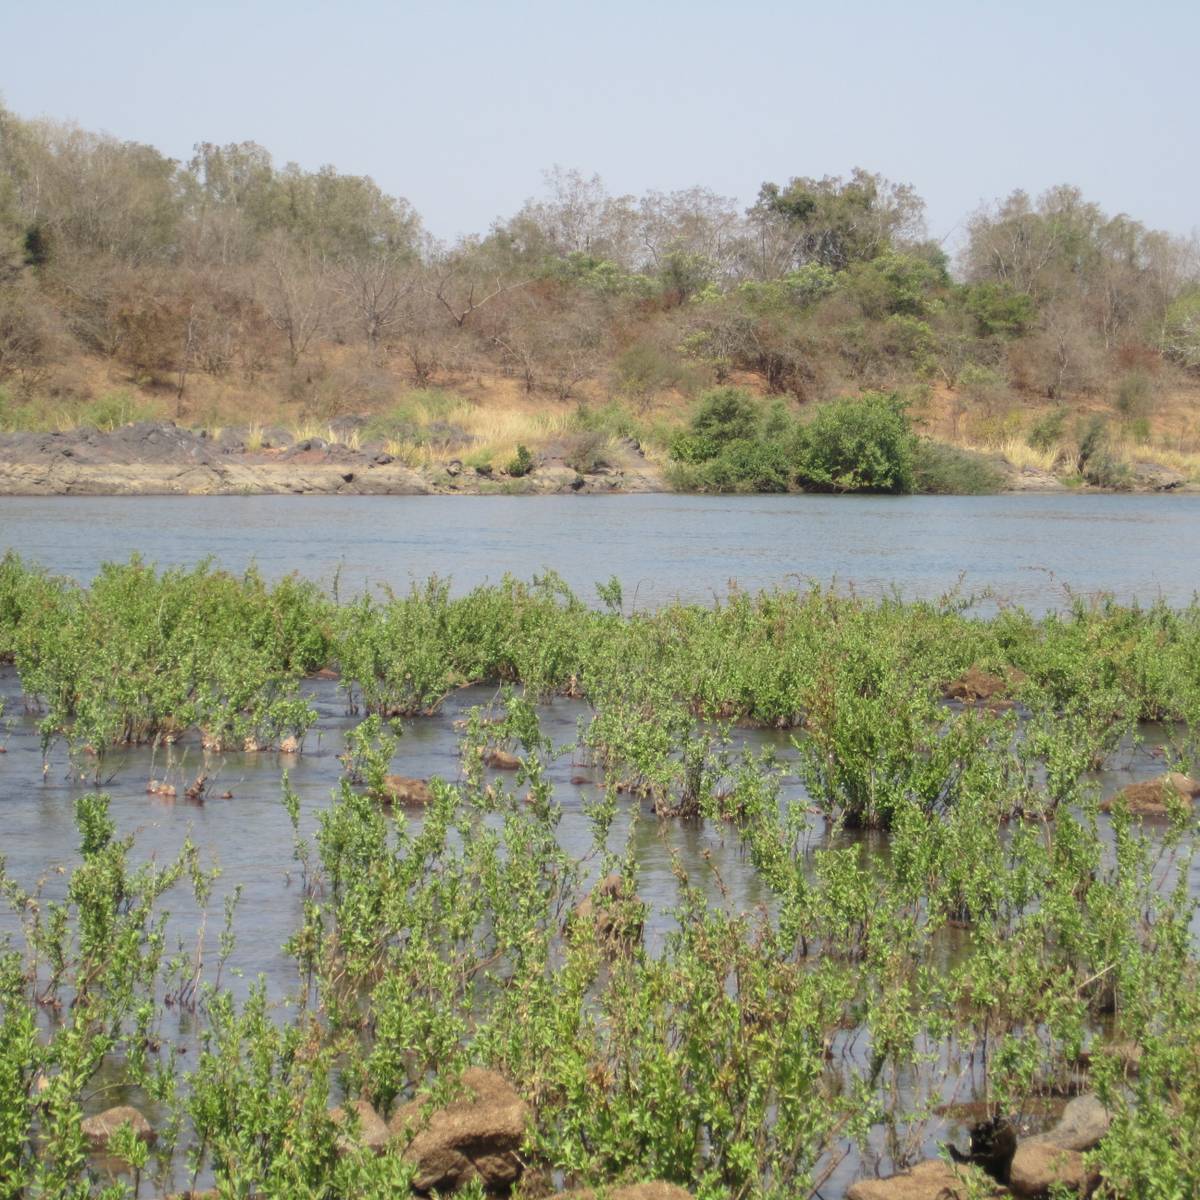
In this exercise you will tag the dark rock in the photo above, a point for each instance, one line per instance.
(993, 1144)
(1154, 477)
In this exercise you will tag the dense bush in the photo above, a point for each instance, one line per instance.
(858, 444)
(942, 470)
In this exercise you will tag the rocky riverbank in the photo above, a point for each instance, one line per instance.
(163, 459)
(149, 459)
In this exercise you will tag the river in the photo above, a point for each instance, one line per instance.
(1028, 549)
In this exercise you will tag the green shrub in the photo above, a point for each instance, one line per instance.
(1047, 430)
(858, 444)
(1135, 395)
(747, 465)
(1095, 461)
(1181, 331)
(420, 417)
(724, 415)
(521, 463)
(998, 310)
(613, 419)
(942, 470)
(113, 410)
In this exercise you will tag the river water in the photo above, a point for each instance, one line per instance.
(1027, 548)
(1024, 549)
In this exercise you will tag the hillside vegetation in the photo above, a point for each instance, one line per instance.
(228, 290)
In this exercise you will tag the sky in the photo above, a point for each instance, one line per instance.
(460, 106)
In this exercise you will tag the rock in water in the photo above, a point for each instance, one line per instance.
(1155, 797)
(476, 1137)
(501, 760)
(1038, 1167)
(408, 793)
(98, 1130)
(1083, 1123)
(930, 1180)
(615, 911)
(631, 1191)
(974, 686)
(372, 1132)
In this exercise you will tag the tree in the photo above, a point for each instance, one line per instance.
(578, 216)
(833, 221)
(296, 293)
(373, 285)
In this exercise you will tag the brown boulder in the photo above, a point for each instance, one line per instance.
(501, 760)
(612, 909)
(372, 1131)
(408, 793)
(976, 686)
(98, 1130)
(476, 1137)
(1155, 797)
(1083, 1123)
(930, 1180)
(631, 1191)
(1037, 1167)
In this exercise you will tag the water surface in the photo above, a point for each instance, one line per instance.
(1027, 548)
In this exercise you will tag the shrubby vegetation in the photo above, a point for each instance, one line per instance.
(749, 1052)
(864, 443)
(198, 285)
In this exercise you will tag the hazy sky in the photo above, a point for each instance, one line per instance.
(459, 106)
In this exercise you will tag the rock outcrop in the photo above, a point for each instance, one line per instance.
(162, 459)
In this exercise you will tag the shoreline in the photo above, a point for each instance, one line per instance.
(152, 459)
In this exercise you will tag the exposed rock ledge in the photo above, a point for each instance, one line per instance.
(151, 459)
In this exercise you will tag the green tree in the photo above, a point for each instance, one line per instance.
(858, 444)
